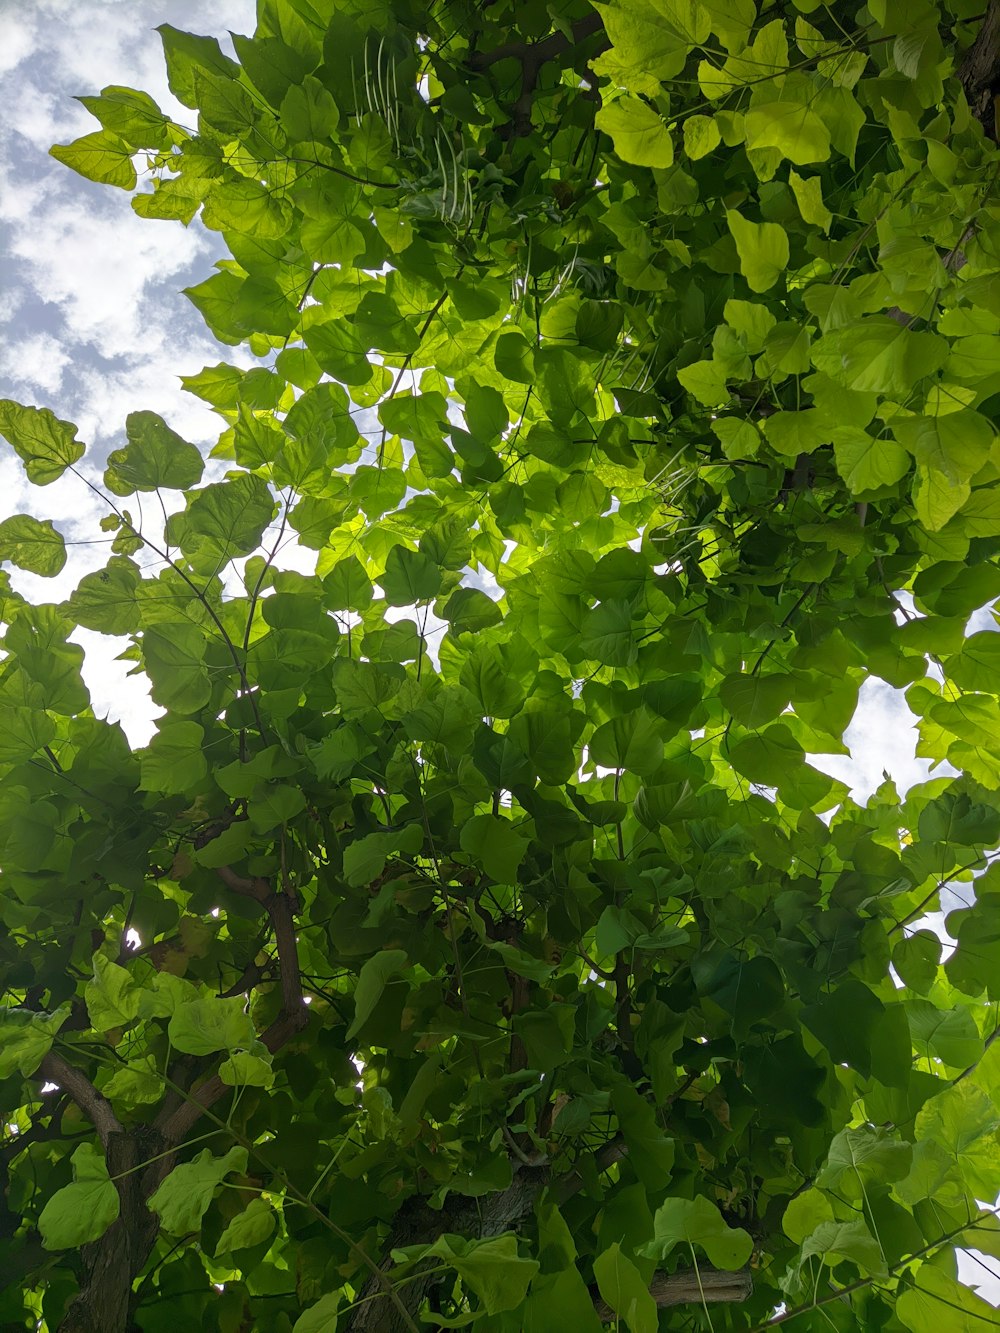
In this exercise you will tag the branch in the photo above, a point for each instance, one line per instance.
(94, 1105)
(532, 56)
(175, 1123)
(568, 1185)
(692, 1287)
(972, 1068)
(258, 889)
(838, 1293)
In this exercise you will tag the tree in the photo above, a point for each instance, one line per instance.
(474, 942)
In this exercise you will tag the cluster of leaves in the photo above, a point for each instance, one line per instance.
(623, 370)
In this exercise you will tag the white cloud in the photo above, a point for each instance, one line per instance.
(87, 46)
(114, 694)
(104, 396)
(35, 361)
(17, 39)
(102, 321)
(98, 264)
(10, 304)
(882, 738)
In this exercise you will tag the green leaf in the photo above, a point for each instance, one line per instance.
(864, 1154)
(949, 451)
(606, 634)
(837, 1241)
(698, 1222)
(131, 114)
(494, 844)
(173, 655)
(106, 600)
(496, 678)
(244, 1069)
(628, 742)
(701, 136)
(949, 1034)
(919, 1308)
(520, 963)
(639, 135)
(365, 858)
(175, 759)
(321, 1317)
(101, 156)
(621, 1285)
(23, 732)
(916, 959)
(372, 979)
(202, 1026)
(230, 516)
(755, 699)
(762, 248)
(246, 206)
(469, 610)
(347, 587)
(794, 433)
(409, 577)
(155, 456)
(83, 1211)
(867, 463)
(46, 445)
(806, 1212)
(808, 193)
(790, 126)
(708, 382)
(249, 1228)
(112, 995)
(32, 544)
(26, 1038)
(492, 1269)
(773, 756)
(845, 1021)
(185, 53)
(309, 112)
(649, 1147)
(184, 1196)
(878, 355)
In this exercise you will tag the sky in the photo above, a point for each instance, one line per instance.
(93, 325)
(92, 320)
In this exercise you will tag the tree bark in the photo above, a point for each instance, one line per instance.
(979, 71)
(417, 1224)
(492, 1215)
(104, 1302)
(708, 1285)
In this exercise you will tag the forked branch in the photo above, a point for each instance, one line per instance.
(532, 56)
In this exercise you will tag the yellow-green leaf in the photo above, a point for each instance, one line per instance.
(639, 134)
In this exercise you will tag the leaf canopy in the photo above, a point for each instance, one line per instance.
(479, 939)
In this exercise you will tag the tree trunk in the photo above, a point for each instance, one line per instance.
(979, 71)
(110, 1265)
(417, 1224)
(491, 1215)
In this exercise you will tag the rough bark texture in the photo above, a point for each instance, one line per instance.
(709, 1286)
(979, 72)
(491, 1215)
(104, 1301)
(532, 56)
(418, 1224)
